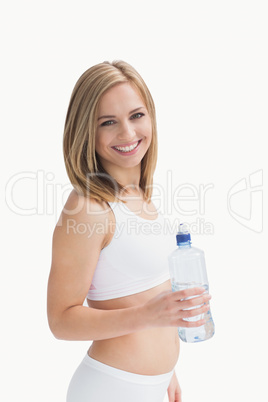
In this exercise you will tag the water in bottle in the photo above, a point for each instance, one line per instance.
(188, 269)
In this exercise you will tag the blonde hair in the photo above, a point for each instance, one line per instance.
(82, 164)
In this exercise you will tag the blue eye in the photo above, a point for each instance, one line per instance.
(108, 123)
(112, 122)
(137, 115)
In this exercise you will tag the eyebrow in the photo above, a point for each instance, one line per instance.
(111, 117)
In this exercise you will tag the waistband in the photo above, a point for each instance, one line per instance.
(126, 375)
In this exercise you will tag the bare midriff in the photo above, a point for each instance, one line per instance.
(151, 351)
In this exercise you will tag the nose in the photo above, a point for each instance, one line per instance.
(126, 131)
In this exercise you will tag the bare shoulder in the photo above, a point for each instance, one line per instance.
(85, 216)
(79, 204)
(81, 232)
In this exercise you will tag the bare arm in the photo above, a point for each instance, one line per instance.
(77, 242)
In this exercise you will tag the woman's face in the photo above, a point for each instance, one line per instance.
(124, 129)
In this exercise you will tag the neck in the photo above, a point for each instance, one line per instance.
(128, 178)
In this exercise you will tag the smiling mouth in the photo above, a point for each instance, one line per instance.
(128, 148)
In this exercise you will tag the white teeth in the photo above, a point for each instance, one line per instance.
(127, 149)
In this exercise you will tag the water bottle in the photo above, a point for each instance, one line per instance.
(188, 269)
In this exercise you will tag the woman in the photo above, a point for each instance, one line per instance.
(102, 252)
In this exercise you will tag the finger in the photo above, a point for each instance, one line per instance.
(178, 397)
(195, 301)
(185, 293)
(194, 312)
(191, 324)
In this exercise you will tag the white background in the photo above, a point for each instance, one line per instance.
(206, 65)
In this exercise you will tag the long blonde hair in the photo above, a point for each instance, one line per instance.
(82, 164)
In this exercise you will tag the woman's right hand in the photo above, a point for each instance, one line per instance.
(169, 309)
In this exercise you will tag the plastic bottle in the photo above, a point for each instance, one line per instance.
(188, 269)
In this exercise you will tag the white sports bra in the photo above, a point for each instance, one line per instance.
(135, 260)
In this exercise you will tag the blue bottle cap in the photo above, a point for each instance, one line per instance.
(183, 236)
